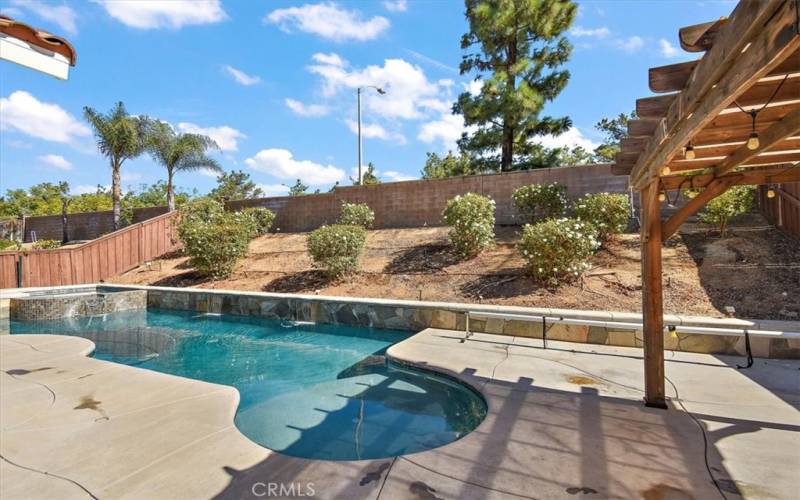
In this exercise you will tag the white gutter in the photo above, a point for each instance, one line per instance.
(28, 55)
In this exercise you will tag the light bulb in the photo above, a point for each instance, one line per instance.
(752, 142)
(662, 196)
(770, 193)
(665, 171)
(689, 154)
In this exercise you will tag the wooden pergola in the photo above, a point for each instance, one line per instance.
(731, 117)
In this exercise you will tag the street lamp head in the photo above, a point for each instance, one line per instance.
(380, 90)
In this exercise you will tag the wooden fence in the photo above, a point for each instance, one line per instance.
(93, 261)
(783, 209)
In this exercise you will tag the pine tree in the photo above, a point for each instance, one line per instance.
(518, 49)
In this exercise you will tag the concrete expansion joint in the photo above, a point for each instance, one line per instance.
(49, 474)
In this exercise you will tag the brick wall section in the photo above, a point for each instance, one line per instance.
(419, 203)
(82, 226)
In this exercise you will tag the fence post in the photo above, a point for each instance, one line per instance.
(19, 271)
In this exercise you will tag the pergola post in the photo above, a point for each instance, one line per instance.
(652, 297)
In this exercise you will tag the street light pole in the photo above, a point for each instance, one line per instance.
(358, 94)
(359, 137)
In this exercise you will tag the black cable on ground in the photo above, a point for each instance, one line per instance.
(705, 438)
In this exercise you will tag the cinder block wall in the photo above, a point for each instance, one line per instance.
(82, 226)
(419, 203)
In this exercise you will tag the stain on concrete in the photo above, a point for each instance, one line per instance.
(665, 492)
(423, 491)
(374, 475)
(581, 490)
(89, 403)
(23, 371)
(581, 380)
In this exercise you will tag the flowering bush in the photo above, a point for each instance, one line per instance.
(737, 200)
(471, 217)
(608, 213)
(46, 244)
(262, 220)
(214, 239)
(356, 214)
(337, 248)
(544, 201)
(557, 249)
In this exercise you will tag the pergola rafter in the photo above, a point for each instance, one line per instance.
(695, 135)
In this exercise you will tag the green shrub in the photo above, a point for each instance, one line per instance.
(471, 217)
(337, 248)
(262, 219)
(356, 214)
(608, 213)
(6, 244)
(737, 200)
(540, 201)
(46, 244)
(557, 250)
(214, 239)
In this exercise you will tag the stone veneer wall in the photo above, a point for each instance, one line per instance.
(407, 316)
(54, 306)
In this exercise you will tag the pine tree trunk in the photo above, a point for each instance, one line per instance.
(507, 158)
(116, 194)
(170, 194)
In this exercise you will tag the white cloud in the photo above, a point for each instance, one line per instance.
(227, 138)
(306, 109)
(375, 131)
(330, 21)
(394, 176)
(409, 92)
(667, 49)
(579, 32)
(331, 59)
(281, 164)
(474, 87)
(431, 61)
(172, 14)
(242, 77)
(61, 15)
(571, 138)
(631, 44)
(396, 5)
(274, 189)
(23, 112)
(56, 161)
(447, 129)
(88, 188)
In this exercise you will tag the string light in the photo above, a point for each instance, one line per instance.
(771, 192)
(662, 196)
(752, 141)
(688, 152)
(665, 171)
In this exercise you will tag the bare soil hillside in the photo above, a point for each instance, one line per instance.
(754, 268)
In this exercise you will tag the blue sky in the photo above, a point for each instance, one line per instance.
(274, 82)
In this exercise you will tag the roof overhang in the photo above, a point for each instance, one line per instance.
(35, 49)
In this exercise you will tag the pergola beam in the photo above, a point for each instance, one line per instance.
(724, 73)
(786, 127)
(714, 189)
(700, 37)
(652, 297)
(777, 175)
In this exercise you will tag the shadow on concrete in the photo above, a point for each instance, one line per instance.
(183, 280)
(537, 442)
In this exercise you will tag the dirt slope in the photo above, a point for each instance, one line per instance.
(755, 269)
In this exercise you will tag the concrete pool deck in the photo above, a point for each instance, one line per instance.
(564, 422)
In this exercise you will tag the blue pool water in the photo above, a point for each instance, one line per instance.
(307, 390)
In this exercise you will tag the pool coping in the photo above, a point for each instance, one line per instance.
(672, 319)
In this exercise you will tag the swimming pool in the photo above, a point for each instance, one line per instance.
(307, 390)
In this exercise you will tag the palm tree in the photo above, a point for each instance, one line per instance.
(119, 137)
(179, 152)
